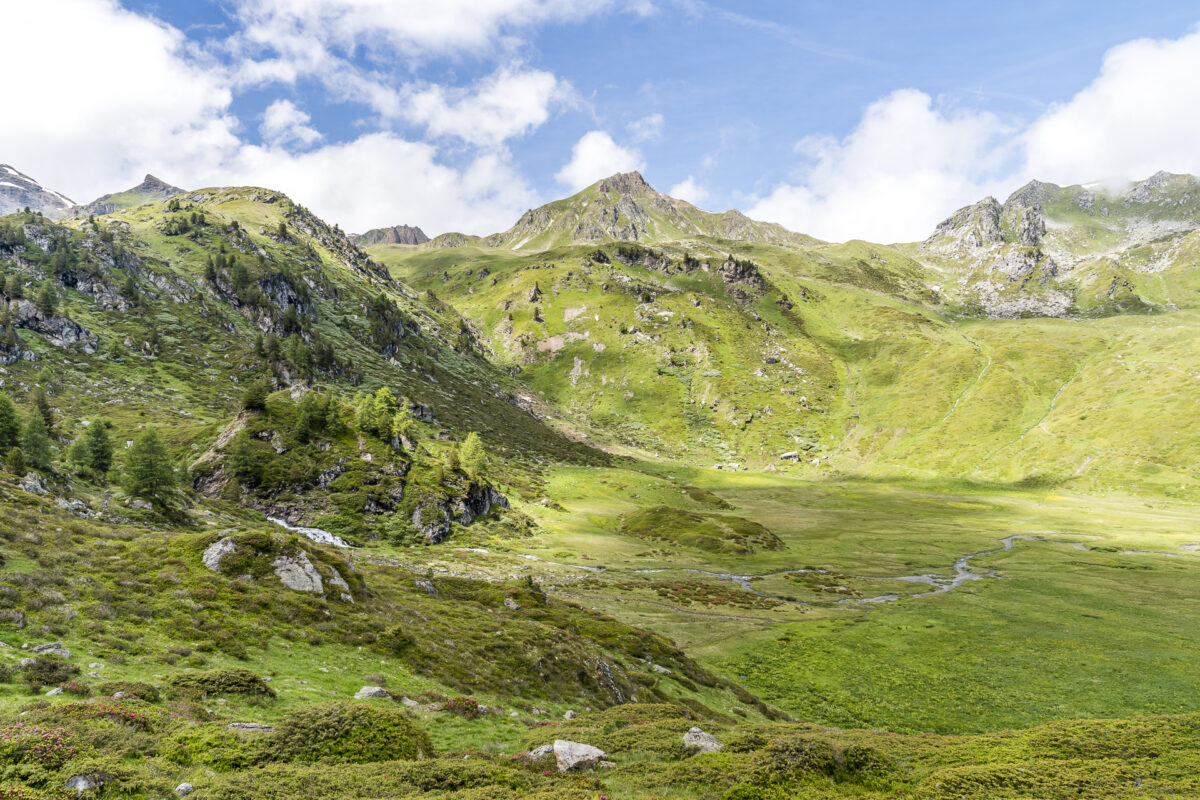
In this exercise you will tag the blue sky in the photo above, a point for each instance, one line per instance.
(868, 119)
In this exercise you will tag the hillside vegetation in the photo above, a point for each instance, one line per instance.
(281, 516)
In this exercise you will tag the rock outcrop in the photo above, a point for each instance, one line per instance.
(698, 741)
(575, 756)
(18, 191)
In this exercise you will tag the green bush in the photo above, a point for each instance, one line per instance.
(47, 671)
(215, 747)
(234, 680)
(142, 691)
(28, 744)
(348, 733)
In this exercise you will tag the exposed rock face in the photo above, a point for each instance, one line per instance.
(698, 741)
(574, 756)
(18, 191)
(298, 573)
(397, 234)
(433, 519)
(972, 228)
(59, 331)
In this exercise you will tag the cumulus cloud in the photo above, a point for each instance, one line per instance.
(596, 156)
(285, 124)
(1138, 116)
(87, 138)
(894, 176)
(647, 129)
(690, 190)
(509, 103)
(381, 179)
(89, 132)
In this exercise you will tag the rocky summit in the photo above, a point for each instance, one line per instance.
(18, 191)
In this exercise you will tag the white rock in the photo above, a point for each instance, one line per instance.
(698, 741)
(298, 573)
(572, 756)
(184, 788)
(539, 753)
(371, 692)
(408, 702)
(216, 551)
(57, 690)
(511, 604)
(569, 715)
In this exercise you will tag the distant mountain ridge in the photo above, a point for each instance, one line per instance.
(19, 191)
(624, 207)
(396, 234)
(1051, 250)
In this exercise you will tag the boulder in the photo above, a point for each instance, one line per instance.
(574, 756)
(698, 741)
(511, 605)
(215, 552)
(372, 692)
(86, 783)
(184, 789)
(570, 715)
(53, 649)
(250, 727)
(538, 753)
(298, 573)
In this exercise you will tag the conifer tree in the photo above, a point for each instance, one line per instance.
(472, 457)
(148, 471)
(47, 299)
(10, 426)
(242, 460)
(94, 449)
(35, 443)
(14, 462)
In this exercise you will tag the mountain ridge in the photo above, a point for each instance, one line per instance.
(19, 191)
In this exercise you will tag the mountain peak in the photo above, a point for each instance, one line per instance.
(19, 191)
(630, 183)
(150, 190)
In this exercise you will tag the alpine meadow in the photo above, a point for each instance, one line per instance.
(631, 499)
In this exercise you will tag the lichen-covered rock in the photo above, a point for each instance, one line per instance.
(698, 741)
(298, 573)
(213, 554)
(372, 693)
(574, 756)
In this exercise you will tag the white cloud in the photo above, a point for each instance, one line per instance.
(506, 104)
(690, 191)
(162, 108)
(88, 131)
(380, 179)
(409, 26)
(898, 173)
(596, 156)
(285, 124)
(647, 129)
(1140, 115)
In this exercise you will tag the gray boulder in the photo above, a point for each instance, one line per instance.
(215, 552)
(298, 573)
(539, 753)
(698, 741)
(184, 789)
(575, 756)
(371, 693)
(250, 727)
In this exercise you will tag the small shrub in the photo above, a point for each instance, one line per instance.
(348, 733)
(46, 671)
(222, 681)
(465, 707)
(135, 713)
(28, 744)
(142, 691)
(76, 688)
